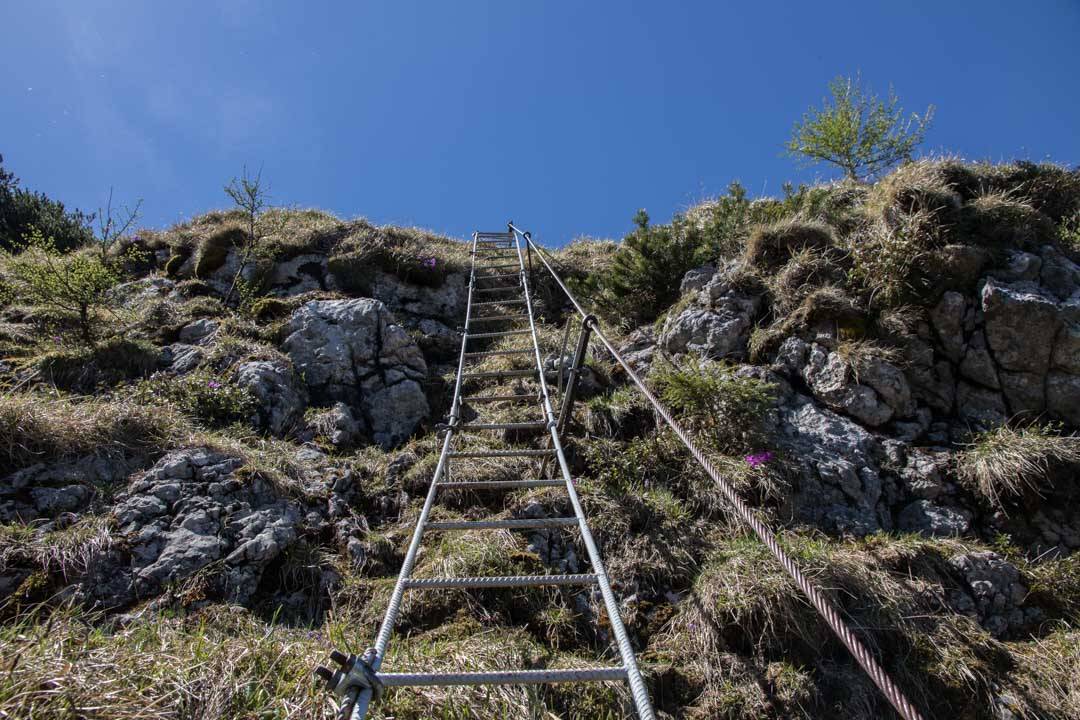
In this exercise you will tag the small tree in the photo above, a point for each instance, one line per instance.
(250, 195)
(857, 131)
(77, 282)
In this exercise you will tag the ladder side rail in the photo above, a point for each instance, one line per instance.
(626, 650)
(363, 698)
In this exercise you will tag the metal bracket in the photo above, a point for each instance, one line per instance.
(354, 674)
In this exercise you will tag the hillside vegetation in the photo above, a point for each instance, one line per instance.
(215, 440)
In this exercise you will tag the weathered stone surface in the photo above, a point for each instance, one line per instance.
(948, 319)
(46, 490)
(923, 516)
(717, 325)
(1024, 392)
(639, 348)
(198, 331)
(437, 339)
(1063, 397)
(1066, 357)
(345, 428)
(181, 358)
(925, 471)
(982, 407)
(1021, 321)
(829, 377)
(280, 395)
(446, 302)
(300, 274)
(1058, 274)
(354, 351)
(190, 510)
(995, 593)
(839, 483)
(694, 280)
(977, 364)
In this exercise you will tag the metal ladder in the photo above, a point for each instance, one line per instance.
(358, 680)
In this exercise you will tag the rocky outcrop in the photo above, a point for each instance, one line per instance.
(193, 513)
(840, 483)
(281, 398)
(717, 322)
(877, 393)
(46, 490)
(354, 351)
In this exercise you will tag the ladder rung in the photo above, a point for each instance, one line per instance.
(499, 302)
(501, 333)
(496, 289)
(497, 398)
(505, 426)
(498, 277)
(500, 484)
(491, 353)
(510, 524)
(505, 677)
(493, 318)
(498, 267)
(498, 374)
(547, 452)
(494, 581)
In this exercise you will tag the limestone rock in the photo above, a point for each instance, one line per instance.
(995, 592)
(1021, 322)
(717, 325)
(924, 516)
(198, 330)
(191, 510)
(839, 483)
(354, 351)
(948, 319)
(280, 396)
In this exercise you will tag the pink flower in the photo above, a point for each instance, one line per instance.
(213, 384)
(756, 459)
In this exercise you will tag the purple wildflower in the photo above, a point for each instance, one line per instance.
(213, 385)
(756, 459)
(429, 263)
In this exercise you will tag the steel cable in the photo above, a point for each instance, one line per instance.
(829, 613)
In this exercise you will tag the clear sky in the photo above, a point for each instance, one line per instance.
(565, 116)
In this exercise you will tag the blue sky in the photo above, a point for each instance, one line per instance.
(565, 116)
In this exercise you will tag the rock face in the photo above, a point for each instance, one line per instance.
(879, 393)
(280, 396)
(995, 593)
(44, 491)
(353, 351)
(191, 510)
(717, 323)
(840, 483)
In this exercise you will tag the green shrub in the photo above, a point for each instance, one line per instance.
(205, 397)
(728, 410)
(770, 246)
(23, 211)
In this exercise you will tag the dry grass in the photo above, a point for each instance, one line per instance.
(1006, 462)
(37, 427)
(769, 246)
